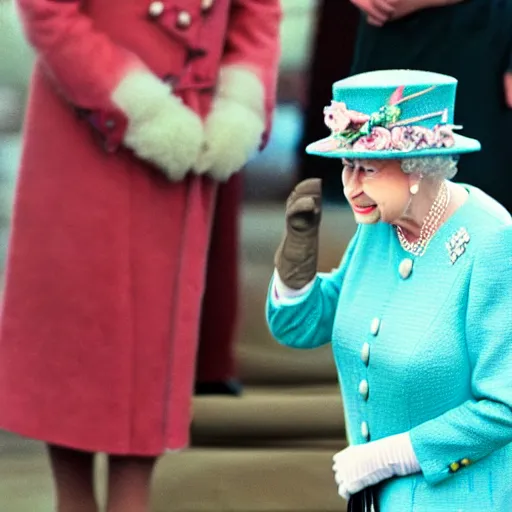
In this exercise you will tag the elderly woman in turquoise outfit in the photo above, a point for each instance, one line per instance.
(419, 312)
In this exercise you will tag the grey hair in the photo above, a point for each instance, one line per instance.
(434, 167)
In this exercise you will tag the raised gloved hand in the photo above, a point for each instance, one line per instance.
(235, 125)
(161, 129)
(297, 255)
(361, 466)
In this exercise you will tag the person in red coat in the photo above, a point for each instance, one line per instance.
(137, 111)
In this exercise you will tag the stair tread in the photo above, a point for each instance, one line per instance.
(247, 481)
(263, 361)
(271, 412)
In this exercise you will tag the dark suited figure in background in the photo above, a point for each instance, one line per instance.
(468, 39)
(331, 60)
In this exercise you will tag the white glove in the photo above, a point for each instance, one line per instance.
(361, 466)
(161, 129)
(235, 125)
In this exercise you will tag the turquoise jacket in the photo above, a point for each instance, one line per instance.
(429, 353)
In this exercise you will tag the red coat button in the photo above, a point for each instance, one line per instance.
(184, 19)
(156, 9)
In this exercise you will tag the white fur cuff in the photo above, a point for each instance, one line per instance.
(242, 85)
(161, 130)
(232, 136)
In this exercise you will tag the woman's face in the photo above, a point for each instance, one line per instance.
(376, 190)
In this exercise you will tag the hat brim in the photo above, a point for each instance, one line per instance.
(462, 145)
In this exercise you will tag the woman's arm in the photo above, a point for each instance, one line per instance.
(483, 424)
(378, 12)
(507, 82)
(508, 87)
(441, 3)
(121, 97)
(85, 63)
(405, 7)
(306, 320)
(416, 5)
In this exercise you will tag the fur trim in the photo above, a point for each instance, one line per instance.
(233, 135)
(234, 127)
(161, 130)
(240, 84)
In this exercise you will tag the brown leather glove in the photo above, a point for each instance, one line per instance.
(297, 255)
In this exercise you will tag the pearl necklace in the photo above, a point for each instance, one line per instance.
(430, 224)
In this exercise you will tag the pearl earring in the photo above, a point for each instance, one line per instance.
(414, 189)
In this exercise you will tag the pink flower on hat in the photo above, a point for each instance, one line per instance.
(401, 139)
(378, 140)
(423, 137)
(443, 136)
(338, 118)
(407, 138)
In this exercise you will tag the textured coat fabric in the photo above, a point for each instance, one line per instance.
(106, 265)
(472, 41)
(435, 350)
(219, 318)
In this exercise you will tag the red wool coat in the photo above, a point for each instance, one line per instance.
(100, 315)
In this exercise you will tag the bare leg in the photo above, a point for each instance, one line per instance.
(73, 474)
(129, 483)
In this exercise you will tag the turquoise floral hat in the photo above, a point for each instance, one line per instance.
(393, 114)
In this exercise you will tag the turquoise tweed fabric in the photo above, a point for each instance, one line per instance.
(434, 350)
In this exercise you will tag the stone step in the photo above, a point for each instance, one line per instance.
(269, 414)
(262, 361)
(262, 480)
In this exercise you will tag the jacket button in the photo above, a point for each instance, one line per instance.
(454, 467)
(184, 19)
(156, 9)
(365, 353)
(206, 5)
(364, 389)
(405, 268)
(375, 325)
(365, 431)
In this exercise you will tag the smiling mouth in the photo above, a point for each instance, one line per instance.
(364, 210)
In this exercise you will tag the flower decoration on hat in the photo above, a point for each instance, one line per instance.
(384, 129)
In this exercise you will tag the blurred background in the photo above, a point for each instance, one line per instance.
(271, 448)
